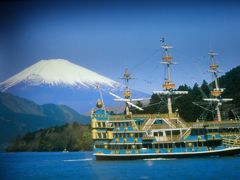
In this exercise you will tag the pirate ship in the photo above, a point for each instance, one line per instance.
(130, 136)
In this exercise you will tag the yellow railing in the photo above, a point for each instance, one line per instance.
(229, 134)
(156, 126)
(213, 123)
(172, 118)
(142, 116)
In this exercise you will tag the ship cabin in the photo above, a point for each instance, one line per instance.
(155, 133)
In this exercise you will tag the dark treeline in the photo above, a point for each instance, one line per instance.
(189, 111)
(73, 137)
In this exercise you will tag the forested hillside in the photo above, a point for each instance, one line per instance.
(72, 137)
(188, 105)
(19, 115)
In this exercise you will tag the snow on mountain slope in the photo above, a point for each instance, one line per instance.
(59, 81)
(58, 72)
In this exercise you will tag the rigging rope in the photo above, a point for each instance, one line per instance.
(144, 60)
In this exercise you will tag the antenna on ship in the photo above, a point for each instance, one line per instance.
(168, 85)
(217, 91)
(127, 94)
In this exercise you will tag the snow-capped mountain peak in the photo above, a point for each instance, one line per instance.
(58, 72)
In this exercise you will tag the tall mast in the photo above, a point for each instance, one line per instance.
(217, 91)
(127, 92)
(127, 77)
(168, 85)
(214, 69)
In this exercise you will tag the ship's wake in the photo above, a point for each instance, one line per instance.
(159, 159)
(75, 160)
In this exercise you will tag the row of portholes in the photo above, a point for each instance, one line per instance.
(127, 135)
(125, 140)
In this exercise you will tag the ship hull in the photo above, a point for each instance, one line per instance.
(223, 152)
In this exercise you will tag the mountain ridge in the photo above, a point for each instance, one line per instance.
(15, 120)
(59, 81)
(58, 72)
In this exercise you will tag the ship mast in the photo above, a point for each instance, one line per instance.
(217, 91)
(127, 92)
(168, 85)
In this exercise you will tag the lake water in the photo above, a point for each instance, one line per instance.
(82, 165)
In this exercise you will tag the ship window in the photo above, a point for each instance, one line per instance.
(155, 133)
(194, 132)
(176, 133)
(104, 135)
(99, 146)
(99, 124)
(168, 133)
(183, 145)
(99, 135)
(199, 144)
(178, 145)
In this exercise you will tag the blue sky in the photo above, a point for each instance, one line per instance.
(108, 37)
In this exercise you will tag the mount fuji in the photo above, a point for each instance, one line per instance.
(62, 82)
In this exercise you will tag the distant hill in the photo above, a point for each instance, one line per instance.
(72, 137)
(231, 82)
(19, 115)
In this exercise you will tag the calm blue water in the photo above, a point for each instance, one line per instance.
(81, 165)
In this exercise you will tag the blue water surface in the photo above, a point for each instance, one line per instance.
(82, 165)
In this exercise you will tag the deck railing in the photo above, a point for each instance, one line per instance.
(176, 121)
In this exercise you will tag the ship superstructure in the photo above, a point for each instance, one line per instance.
(139, 136)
